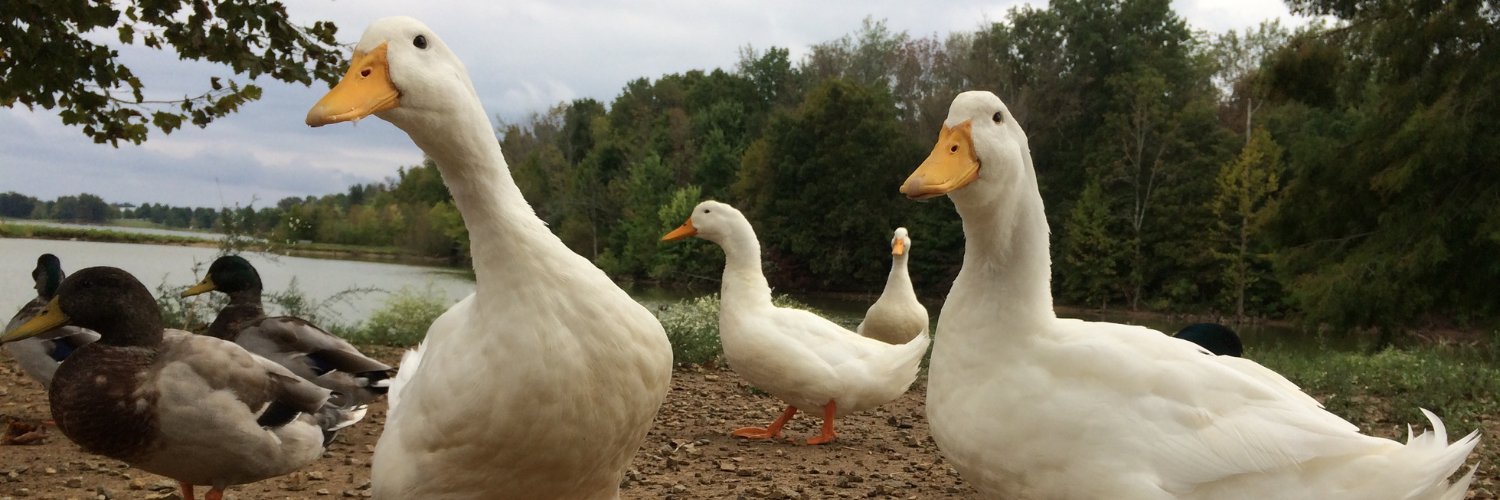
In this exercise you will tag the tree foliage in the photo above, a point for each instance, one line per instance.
(52, 56)
(1243, 201)
(1393, 196)
(1342, 172)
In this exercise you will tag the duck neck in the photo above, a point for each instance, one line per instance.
(899, 281)
(247, 298)
(244, 305)
(1006, 260)
(504, 232)
(744, 282)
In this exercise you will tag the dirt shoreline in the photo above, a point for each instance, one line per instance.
(688, 454)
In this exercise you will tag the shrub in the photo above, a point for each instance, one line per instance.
(693, 329)
(404, 319)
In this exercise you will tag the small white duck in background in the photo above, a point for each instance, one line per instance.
(543, 382)
(1028, 405)
(801, 358)
(897, 316)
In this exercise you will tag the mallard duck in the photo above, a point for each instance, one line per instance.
(192, 408)
(306, 350)
(803, 359)
(1216, 338)
(40, 355)
(1028, 405)
(897, 316)
(544, 381)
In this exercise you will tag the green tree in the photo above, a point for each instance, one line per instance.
(1091, 253)
(49, 59)
(830, 202)
(16, 205)
(1391, 213)
(1243, 200)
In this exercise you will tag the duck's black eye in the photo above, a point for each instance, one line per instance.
(705, 210)
(420, 41)
(999, 117)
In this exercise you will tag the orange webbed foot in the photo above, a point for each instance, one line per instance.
(827, 436)
(768, 432)
(754, 433)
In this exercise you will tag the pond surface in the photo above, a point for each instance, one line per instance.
(173, 266)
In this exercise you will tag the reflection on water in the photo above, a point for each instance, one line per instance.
(173, 265)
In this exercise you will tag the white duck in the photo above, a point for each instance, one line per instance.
(897, 315)
(543, 382)
(807, 361)
(1028, 405)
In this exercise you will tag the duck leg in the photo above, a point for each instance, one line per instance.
(769, 432)
(214, 493)
(187, 490)
(827, 435)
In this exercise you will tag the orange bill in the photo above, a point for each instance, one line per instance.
(365, 90)
(683, 231)
(953, 164)
(898, 247)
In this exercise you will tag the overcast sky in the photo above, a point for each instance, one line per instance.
(524, 56)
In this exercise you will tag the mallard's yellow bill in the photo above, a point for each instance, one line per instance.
(51, 317)
(683, 231)
(898, 247)
(365, 90)
(953, 164)
(205, 286)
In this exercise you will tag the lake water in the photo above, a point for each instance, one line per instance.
(173, 266)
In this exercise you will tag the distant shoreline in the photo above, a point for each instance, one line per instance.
(21, 229)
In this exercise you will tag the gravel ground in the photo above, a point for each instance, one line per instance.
(883, 453)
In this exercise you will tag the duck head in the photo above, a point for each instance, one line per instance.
(900, 242)
(48, 274)
(104, 299)
(712, 221)
(981, 153)
(228, 274)
(401, 72)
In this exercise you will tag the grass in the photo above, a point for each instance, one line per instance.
(1460, 384)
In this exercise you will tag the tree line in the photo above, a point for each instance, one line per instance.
(1342, 173)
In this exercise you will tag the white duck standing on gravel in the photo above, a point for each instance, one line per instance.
(1027, 405)
(542, 383)
(897, 316)
(807, 361)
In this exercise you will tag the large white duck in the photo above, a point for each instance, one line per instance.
(1028, 405)
(897, 315)
(809, 362)
(543, 382)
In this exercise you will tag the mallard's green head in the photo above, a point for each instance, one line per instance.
(228, 274)
(48, 275)
(104, 299)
